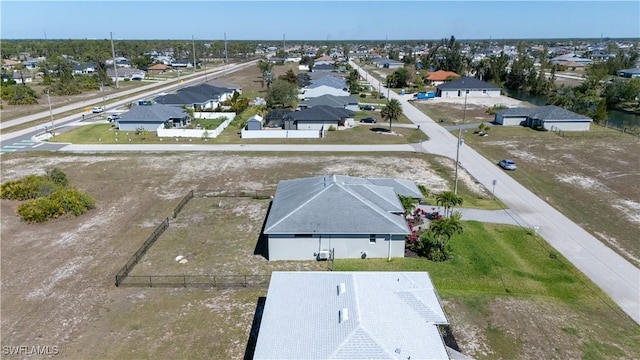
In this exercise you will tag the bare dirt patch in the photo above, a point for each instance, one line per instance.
(58, 277)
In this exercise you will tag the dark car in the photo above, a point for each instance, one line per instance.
(507, 164)
(367, 107)
(368, 120)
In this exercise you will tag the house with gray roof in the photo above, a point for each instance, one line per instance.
(343, 102)
(150, 117)
(467, 86)
(352, 315)
(323, 68)
(332, 81)
(126, 73)
(549, 117)
(349, 216)
(198, 97)
(320, 117)
(388, 63)
(629, 73)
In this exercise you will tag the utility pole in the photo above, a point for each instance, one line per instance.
(226, 53)
(50, 114)
(464, 112)
(193, 44)
(284, 47)
(113, 53)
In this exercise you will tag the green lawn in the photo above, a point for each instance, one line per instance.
(498, 264)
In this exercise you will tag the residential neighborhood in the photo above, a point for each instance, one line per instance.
(342, 189)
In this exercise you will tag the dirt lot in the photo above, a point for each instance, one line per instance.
(58, 277)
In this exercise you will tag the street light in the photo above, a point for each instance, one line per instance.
(460, 142)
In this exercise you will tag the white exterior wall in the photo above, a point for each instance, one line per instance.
(509, 121)
(474, 93)
(193, 133)
(346, 247)
(567, 126)
(308, 125)
(281, 134)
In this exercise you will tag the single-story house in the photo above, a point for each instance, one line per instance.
(318, 118)
(198, 97)
(10, 63)
(20, 78)
(571, 60)
(255, 123)
(440, 76)
(333, 81)
(351, 217)
(467, 86)
(126, 73)
(84, 68)
(343, 102)
(388, 63)
(629, 73)
(323, 68)
(324, 60)
(550, 117)
(321, 90)
(181, 63)
(150, 117)
(351, 315)
(219, 83)
(158, 68)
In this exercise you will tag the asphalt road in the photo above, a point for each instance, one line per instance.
(612, 273)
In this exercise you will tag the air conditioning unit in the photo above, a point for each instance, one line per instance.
(323, 255)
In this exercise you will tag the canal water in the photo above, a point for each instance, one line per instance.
(617, 119)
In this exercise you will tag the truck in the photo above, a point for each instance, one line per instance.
(424, 95)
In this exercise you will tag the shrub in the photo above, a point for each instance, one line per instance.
(363, 95)
(58, 176)
(492, 110)
(332, 128)
(26, 188)
(40, 210)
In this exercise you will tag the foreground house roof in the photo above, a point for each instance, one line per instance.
(336, 204)
(441, 75)
(330, 100)
(351, 315)
(320, 113)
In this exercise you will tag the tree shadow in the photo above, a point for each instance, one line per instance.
(255, 328)
(262, 245)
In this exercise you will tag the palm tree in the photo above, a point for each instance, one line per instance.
(391, 111)
(448, 199)
(445, 228)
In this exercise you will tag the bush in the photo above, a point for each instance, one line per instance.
(49, 196)
(332, 128)
(363, 95)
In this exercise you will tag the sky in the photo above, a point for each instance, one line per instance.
(318, 20)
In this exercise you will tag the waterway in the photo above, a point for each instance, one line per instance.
(618, 119)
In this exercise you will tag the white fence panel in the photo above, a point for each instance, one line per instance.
(281, 134)
(194, 133)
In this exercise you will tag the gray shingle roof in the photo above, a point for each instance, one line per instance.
(331, 81)
(467, 82)
(320, 113)
(193, 95)
(545, 113)
(391, 315)
(330, 100)
(152, 113)
(335, 205)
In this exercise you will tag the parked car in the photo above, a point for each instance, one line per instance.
(113, 117)
(507, 164)
(367, 107)
(97, 109)
(368, 120)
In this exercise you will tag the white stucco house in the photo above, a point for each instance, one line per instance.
(349, 217)
(550, 117)
(467, 86)
(352, 315)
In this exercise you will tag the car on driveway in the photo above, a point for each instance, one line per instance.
(507, 164)
(368, 120)
(367, 107)
(97, 109)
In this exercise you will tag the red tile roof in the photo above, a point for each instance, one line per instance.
(441, 75)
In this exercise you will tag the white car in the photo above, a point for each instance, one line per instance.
(507, 164)
(97, 109)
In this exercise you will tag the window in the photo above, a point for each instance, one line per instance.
(372, 239)
(466, 91)
(484, 91)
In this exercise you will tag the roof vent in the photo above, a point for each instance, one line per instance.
(343, 315)
(341, 289)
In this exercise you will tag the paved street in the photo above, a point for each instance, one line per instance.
(611, 272)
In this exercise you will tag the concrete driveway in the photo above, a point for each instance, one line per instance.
(611, 272)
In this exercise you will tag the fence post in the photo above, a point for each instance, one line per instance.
(150, 283)
(184, 281)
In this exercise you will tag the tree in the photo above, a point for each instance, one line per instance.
(419, 83)
(282, 94)
(444, 229)
(448, 199)
(345, 50)
(353, 81)
(289, 76)
(265, 67)
(391, 111)
(408, 203)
